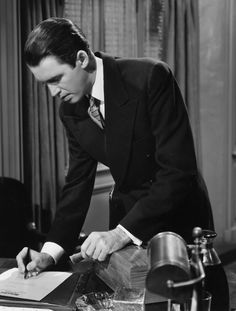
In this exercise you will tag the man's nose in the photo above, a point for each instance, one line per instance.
(54, 89)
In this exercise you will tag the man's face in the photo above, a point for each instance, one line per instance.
(67, 82)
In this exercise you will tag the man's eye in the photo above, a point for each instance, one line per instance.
(53, 82)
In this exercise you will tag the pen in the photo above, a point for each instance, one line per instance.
(26, 261)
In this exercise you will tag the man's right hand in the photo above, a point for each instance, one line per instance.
(38, 263)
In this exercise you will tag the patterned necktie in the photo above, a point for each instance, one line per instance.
(95, 113)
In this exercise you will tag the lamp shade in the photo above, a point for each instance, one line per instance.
(168, 261)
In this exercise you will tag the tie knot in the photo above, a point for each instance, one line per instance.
(94, 112)
(94, 102)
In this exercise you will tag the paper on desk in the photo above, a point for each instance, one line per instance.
(13, 284)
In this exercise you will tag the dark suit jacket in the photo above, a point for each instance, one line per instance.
(148, 146)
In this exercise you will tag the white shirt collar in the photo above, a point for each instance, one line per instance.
(98, 86)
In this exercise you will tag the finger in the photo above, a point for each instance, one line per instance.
(20, 259)
(91, 249)
(97, 252)
(33, 266)
(75, 258)
(36, 263)
(28, 275)
(103, 255)
(35, 273)
(31, 274)
(85, 246)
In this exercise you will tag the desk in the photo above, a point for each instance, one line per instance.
(7, 263)
(64, 296)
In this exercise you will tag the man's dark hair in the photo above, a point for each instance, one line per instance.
(57, 37)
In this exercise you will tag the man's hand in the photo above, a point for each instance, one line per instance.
(100, 244)
(38, 263)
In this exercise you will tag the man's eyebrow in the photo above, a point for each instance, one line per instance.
(53, 79)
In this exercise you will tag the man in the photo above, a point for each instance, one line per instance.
(146, 142)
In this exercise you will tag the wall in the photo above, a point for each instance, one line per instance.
(214, 101)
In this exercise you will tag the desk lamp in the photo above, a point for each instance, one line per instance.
(171, 273)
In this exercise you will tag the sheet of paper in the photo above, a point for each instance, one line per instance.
(13, 284)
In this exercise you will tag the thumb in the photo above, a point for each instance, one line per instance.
(32, 265)
(75, 258)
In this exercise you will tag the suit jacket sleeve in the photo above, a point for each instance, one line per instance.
(75, 197)
(173, 182)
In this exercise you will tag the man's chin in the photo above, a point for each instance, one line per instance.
(71, 101)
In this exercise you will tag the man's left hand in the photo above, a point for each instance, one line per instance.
(100, 244)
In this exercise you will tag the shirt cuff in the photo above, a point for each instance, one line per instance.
(53, 249)
(135, 240)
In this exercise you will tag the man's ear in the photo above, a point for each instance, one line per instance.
(82, 59)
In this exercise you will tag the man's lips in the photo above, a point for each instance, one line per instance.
(66, 97)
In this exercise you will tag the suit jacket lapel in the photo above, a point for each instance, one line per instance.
(119, 119)
(88, 134)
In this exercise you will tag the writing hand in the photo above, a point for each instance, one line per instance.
(36, 262)
(100, 244)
